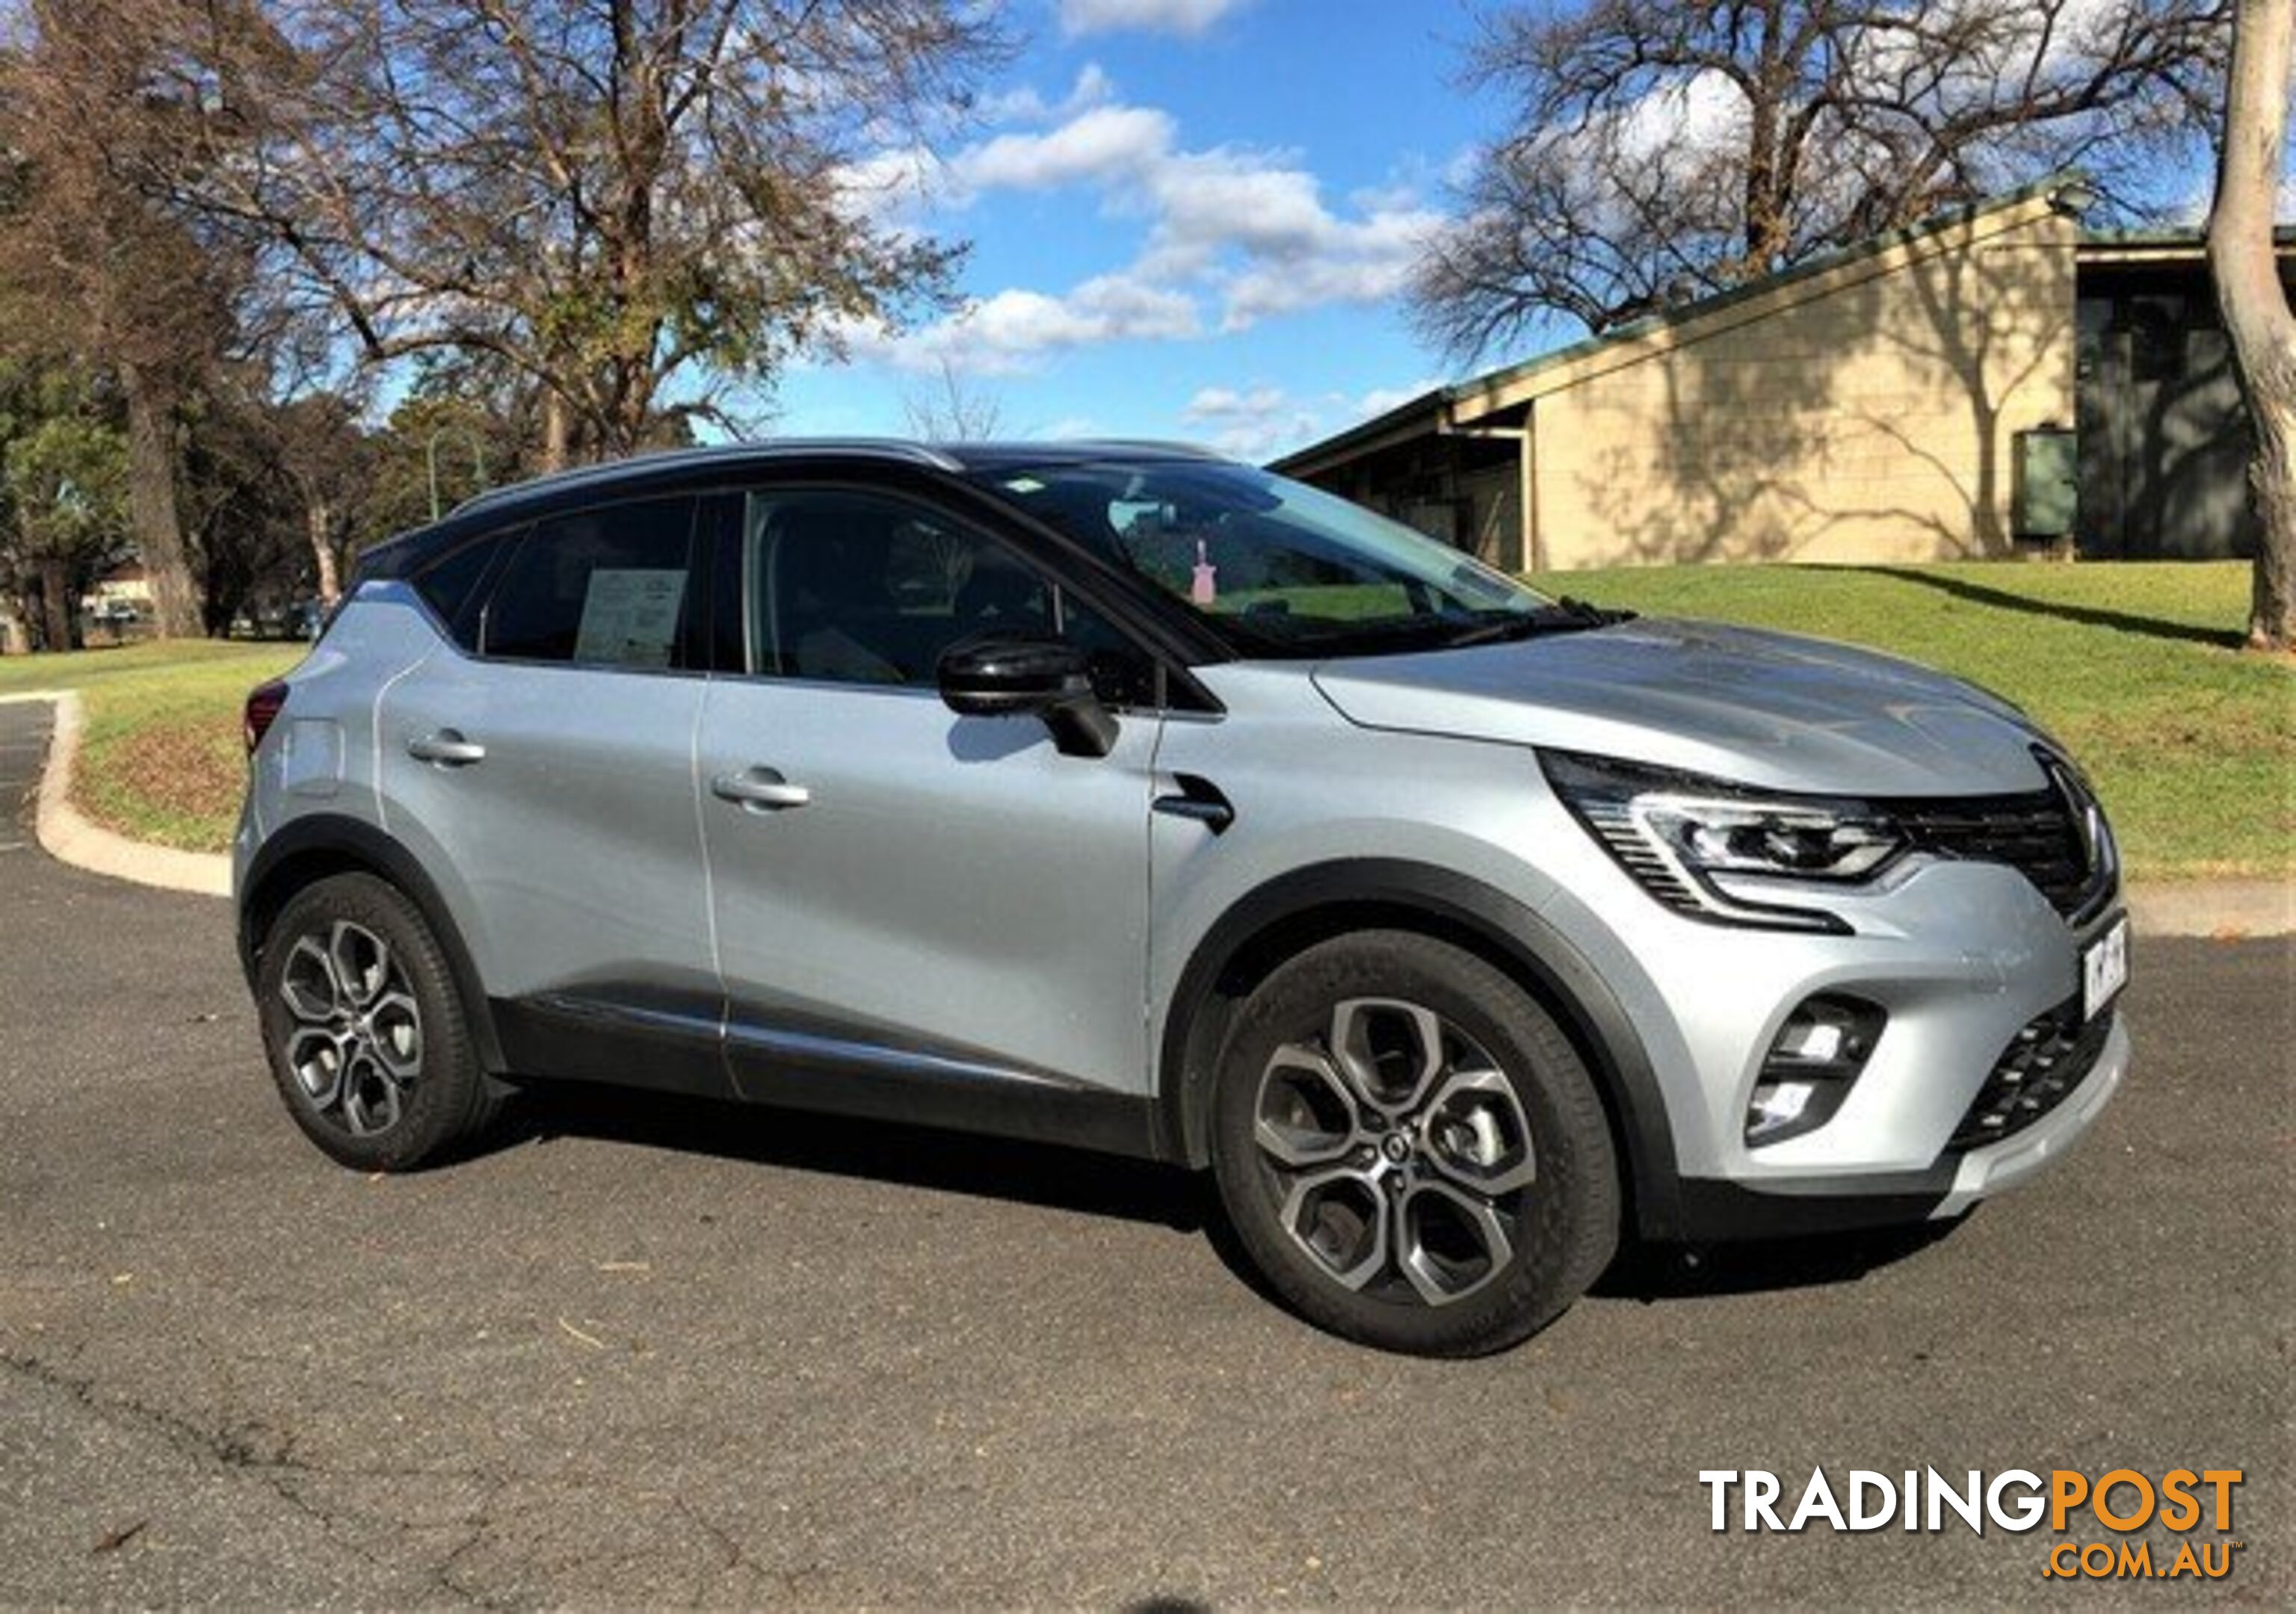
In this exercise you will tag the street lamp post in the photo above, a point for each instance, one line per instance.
(431, 458)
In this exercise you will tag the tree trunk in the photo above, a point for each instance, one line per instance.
(56, 611)
(2255, 304)
(152, 519)
(15, 633)
(557, 429)
(319, 521)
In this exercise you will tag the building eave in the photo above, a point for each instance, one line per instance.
(1425, 415)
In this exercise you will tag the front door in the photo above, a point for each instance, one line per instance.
(918, 914)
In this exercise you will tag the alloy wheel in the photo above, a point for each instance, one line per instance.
(356, 1044)
(1400, 1153)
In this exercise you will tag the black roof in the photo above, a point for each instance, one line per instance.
(940, 456)
(406, 551)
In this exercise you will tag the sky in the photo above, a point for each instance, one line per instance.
(1189, 218)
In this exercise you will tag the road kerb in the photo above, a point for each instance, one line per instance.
(70, 837)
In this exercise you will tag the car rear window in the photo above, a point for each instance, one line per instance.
(610, 586)
(449, 585)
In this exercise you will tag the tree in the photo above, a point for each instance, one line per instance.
(245, 504)
(2255, 301)
(465, 425)
(93, 270)
(953, 411)
(632, 204)
(327, 458)
(1661, 149)
(67, 482)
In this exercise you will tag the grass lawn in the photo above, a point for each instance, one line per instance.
(2137, 668)
(162, 760)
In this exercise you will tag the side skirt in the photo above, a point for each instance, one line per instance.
(688, 1049)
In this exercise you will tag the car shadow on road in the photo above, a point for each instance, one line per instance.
(954, 1162)
(1652, 1272)
(1134, 1190)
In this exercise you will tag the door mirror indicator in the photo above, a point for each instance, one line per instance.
(1022, 675)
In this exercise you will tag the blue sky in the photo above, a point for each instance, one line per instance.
(1189, 217)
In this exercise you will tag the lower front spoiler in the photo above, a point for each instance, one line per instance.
(1715, 1210)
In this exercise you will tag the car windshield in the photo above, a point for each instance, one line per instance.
(1274, 567)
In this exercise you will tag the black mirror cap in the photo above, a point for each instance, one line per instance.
(1011, 675)
(1022, 674)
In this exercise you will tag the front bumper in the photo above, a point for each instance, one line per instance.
(1715, 1210)
(1961, 956)
(2013, 1159)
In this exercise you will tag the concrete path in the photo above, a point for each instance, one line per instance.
(2221, 908)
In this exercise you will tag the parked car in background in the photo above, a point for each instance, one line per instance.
(1124, 797)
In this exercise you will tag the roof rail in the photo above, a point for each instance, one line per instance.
(1173, 446)
(890, 448)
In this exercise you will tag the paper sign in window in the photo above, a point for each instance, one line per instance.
(629, 616)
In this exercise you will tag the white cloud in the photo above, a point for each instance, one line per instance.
(1252, 424)
(1379, 400)
(1156, 16)
(1364, 259)
(1703, 113)
(891, 184)
(1222, 403)
(1102, 144)
(1026, 105)
(1232, 235)
(1007, 332)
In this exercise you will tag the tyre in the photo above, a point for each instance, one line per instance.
(366, 1028)
(1410, 1150)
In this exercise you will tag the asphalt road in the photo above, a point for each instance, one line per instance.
(652, 1353)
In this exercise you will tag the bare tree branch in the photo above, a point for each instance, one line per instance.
(1658, 149)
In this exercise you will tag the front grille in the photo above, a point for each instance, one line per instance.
(2036, 834)
(2038, 1071)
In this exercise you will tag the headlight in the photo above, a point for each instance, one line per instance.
(1679, 834)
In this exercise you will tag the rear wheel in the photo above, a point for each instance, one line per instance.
(1410, 1148)
(365, 1031)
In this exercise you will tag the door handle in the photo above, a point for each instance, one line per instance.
(1198, 798)
(761, 789)
(446, 748)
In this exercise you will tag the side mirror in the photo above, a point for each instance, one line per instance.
(1017, 676)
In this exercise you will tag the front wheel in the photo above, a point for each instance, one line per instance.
(364, 1028)
(1410, 1150)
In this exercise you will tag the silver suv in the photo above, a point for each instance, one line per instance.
(1125, 797)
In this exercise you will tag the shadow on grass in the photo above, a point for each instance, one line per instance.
(2088, 616)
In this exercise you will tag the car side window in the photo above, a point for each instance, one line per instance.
(610, 586)
(449, 585)
(853, 587)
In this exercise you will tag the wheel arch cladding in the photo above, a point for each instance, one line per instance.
(320, 845)
(1308, 906)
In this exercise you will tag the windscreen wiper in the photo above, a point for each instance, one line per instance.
(1565, 615)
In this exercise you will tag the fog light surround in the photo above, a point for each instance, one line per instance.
(1818, 1053)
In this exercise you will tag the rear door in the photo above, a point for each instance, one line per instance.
(914, 906)
(546, 774)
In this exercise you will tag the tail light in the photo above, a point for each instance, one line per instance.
(264, 703)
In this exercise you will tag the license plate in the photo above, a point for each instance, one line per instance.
(2104, 968)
